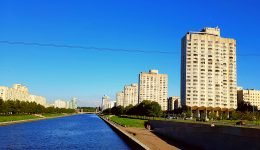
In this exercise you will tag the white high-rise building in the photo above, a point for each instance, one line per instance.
(105, 102)
(38, 99)
(154, 87)
(120, 98)
(208, 72)
(73, 103)
(60, 103)
(130, 95)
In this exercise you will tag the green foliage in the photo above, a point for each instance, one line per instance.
(145, 108)
(118, 110)
(17, 107)
(17, 117)
(245, 106)
(212, 116)
(107, 111)
(237, 115)
(88, 109)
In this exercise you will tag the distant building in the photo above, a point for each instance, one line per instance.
(130, 95)
(112, 104)
(250, 95)
(21, 93)
(73, 103)
(208, 72)
(120, 98)
(38, 99)
(105, 102)
(154, 87)
(60, 104)
(173, 103)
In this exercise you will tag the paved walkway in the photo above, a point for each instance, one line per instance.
(148, 138)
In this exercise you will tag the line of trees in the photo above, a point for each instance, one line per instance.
(88, 109)
(244, 111)
(145, 108)
(11, 107)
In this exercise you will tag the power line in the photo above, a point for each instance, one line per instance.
(83, 47)
(105, 49)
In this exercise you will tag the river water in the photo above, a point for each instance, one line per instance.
(76, 132)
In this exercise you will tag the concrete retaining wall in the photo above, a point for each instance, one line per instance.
(202, 136)
(132, 142)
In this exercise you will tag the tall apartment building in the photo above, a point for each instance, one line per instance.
(21, 93)
(120, 98)
(250, 95)
(73, 103)
(173, 103)
(154, 87)
(60, 103)
(39, 100)
(130, 95)
(105, 102)
(208, 71)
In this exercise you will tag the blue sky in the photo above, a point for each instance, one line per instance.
(129, 24)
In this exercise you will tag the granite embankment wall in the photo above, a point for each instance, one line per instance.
(132, 142)
(202, 136)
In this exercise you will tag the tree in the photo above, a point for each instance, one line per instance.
(245, 106)
(1, 105)
(212, 116)
(117, 110)
(154, 109)
(107, 111)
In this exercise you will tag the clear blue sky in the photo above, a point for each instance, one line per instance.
(128, 24)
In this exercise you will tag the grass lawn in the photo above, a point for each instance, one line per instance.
(17, 117)
(128, 121)
(53, 115)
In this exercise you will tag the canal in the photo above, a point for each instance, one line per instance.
(77, 132)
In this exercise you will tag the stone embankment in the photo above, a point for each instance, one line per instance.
(133, 143)
(204, 136)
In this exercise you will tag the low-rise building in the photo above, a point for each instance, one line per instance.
(249, 95)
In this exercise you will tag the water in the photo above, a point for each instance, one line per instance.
(77, 132)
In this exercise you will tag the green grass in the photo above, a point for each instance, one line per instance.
(26, 117)
(53, 115)
(17, 117)
(138, 123)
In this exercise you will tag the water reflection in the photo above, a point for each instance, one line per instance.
(74, 132)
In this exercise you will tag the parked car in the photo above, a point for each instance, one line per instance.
(169, 117)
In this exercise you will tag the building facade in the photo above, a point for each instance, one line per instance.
(105, 102)
(154, 87)
(73, 103)
(208, 72)
(174, 102)
(21, 93)
(60, 103)
(250, 95)
(120, 98)
(39, 100)
(130, 95)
